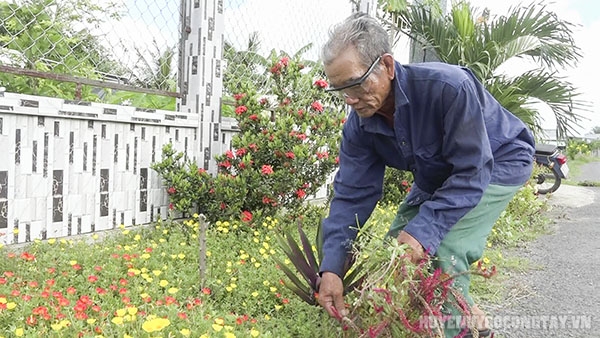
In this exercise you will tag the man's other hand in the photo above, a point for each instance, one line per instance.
(331, 295)
(416, 249)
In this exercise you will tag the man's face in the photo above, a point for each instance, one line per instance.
(363, 88)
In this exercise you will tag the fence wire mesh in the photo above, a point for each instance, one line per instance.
(256, 28)
(131, 42)
(136, 43)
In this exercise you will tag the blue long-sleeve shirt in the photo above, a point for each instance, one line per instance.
(449, 132)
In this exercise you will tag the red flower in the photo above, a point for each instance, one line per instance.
(285, 61)
(300, 193)
(266, 169)
(27, 256)
(92, 279)
(290, 155)
(253, 117)
(223, 206)
(201, 171)
(321, 83)
(263, 101)
(246, 216)
(229, 154)
(322, 155)
(206, 291)
(225, 164)
(239, 96)
(171, 190)
(241, 109)
(171, 207)
(317, 106)
(253, 146)
(241, 152)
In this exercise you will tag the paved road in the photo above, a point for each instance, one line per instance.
(589, 172)
(561, 296)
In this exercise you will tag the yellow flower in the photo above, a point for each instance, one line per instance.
(137, 237)
(19, 332)
(208, 254)
(72, 263)
(486, 260)
(145, 256)
(126, 232)
(52, 241)
(117, 320)
(91, 321)
(95, 236)
(173, 290)
(185, 332)
(254, 333)
(219, 321)
(155, 324)
(157, 272)
(273, 289)
(217, 327)
(15, 231)
(163, 283)
(121, 312)
(229, 335)
(11, 305)
(181, 256)
(255, 294)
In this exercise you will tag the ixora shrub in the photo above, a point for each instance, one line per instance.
(286, 148)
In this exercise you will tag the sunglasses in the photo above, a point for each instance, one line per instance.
(355, 88)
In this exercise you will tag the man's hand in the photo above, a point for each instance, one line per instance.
(416, 249)
(331, 295)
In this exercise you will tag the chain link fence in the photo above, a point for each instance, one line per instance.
(254, 29)
(102, 50)
(70, 48)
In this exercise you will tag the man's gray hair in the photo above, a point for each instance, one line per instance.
(360, 31)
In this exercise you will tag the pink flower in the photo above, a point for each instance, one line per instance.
(246, 216)
(239, 110)
(229, 154)
(317, 106)
(239, 96)
(266, 169)
(285, 61)
(263, 101)
(253, 117)
(171, 190)
(290, 155)
(321, 83)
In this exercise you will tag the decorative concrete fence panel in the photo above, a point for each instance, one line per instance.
(70, 168)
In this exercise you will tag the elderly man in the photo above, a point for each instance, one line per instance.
(468, 156)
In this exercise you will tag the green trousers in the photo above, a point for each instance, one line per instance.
(464, 243)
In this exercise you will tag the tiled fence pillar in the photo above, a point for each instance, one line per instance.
(202, 82)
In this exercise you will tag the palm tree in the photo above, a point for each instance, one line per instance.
(471, 38)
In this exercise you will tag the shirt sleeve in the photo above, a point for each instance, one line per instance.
(466, 148)
(357, 188)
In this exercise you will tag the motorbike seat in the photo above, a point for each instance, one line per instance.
(545, 149)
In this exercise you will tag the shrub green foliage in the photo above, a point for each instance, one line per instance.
(286, 148)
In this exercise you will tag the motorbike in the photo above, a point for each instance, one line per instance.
(554, 168)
